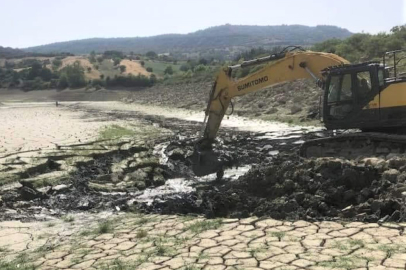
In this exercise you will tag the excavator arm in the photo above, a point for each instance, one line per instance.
(281, 67)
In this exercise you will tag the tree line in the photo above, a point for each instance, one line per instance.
(39, 76)
(362, 47)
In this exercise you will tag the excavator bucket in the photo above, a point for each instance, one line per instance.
(205, 162)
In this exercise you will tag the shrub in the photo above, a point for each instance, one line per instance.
(151, 54)
(74, 75)
(153, 79)
(98, 82)
(168, 70)
(200, 68)
(56, 63)
(131, 81)
(116, 61)
(92, 57)
(122, 68)
(188, 74)
(184, 67)
(203, 61)
(63, 81)
(113, 54)
(149, 69)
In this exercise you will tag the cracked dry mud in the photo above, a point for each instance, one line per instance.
(184, 242)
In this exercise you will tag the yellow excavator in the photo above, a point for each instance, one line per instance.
(369, 96)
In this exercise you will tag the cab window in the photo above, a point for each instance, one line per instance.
(381, 77)
(340, 88)
(333, 89)
(346, 93)
(364, 83)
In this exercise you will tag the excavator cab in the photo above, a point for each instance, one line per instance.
(348, 92)
(369, 96)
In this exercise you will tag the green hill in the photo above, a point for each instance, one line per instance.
(224, 40)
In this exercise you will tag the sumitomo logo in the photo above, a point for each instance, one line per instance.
(252, 83)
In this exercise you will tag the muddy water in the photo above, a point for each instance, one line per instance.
(248, 141)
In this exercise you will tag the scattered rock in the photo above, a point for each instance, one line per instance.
(295, 109)
(60, 188)
(177, 154)
(28, 194)
(396, 163)
(391, 175)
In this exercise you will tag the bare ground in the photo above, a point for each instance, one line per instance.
(296, 102)
(151, 151)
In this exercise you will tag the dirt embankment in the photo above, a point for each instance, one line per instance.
(134, 68)
(294, 102)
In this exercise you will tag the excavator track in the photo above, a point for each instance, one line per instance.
(354, 145)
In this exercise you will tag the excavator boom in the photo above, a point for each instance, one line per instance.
(279, 68)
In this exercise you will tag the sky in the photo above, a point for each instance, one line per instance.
(25, 23)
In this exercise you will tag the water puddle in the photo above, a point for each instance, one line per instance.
(177, 186)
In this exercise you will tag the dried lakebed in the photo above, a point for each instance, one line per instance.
(134, 158)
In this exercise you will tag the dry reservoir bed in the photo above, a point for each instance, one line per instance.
(79, 166)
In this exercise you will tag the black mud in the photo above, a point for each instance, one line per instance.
(292, 188)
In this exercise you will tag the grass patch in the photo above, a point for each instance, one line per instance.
(68, 218)
(105, 227)
(162, 250)
(4, 249)
(107, 69)
(21, 262)
(187, 218)
(42, 250)
(117, 264)
(203, 256)
(114, 132)
(159, 67)
(346, 245)
(7, 179)
(204, 225)
(254, 251)
(141, 234)
(340, 262)
(102, 228)
(278, 235)
(44, 235)
(181, 240)
(356, 242)
(143, 221)
(390, 249)
(190, 267)
(339, 245)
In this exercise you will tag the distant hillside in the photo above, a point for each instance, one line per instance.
(226, 39)
(8, 53)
